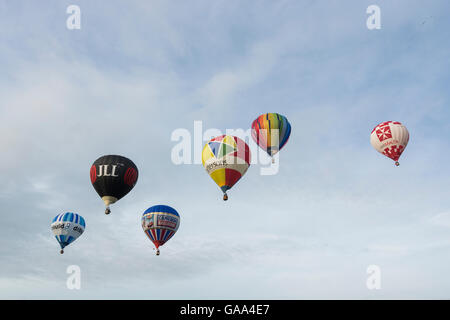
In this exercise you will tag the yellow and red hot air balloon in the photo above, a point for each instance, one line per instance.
(226, 159)
(390, 138)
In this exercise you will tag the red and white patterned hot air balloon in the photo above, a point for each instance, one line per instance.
(390, 138)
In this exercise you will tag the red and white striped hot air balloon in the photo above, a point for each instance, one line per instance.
(390, 138)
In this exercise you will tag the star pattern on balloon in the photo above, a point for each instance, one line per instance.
(384, 133)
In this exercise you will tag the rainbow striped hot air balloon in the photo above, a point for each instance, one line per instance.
(67, 227)
(226, 159)
(271, 132)
(160, 224)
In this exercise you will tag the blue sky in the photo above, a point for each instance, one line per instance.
(136, 71)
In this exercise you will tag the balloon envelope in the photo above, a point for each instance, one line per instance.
(160, 223)
(113, 177)
(271, 132)
(67, 227)
(390, 138)
(226, 159)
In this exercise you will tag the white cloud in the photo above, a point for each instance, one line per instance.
(441, 220)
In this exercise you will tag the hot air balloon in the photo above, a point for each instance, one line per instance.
(67, 227)
(160, 224)
(226, 159)
(113, 177)
(390, 138)
(271, 131)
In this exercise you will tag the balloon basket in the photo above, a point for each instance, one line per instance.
(225, 197)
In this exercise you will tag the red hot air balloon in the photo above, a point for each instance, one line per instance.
(390, 138)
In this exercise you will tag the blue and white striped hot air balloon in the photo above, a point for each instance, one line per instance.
(67, 227)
